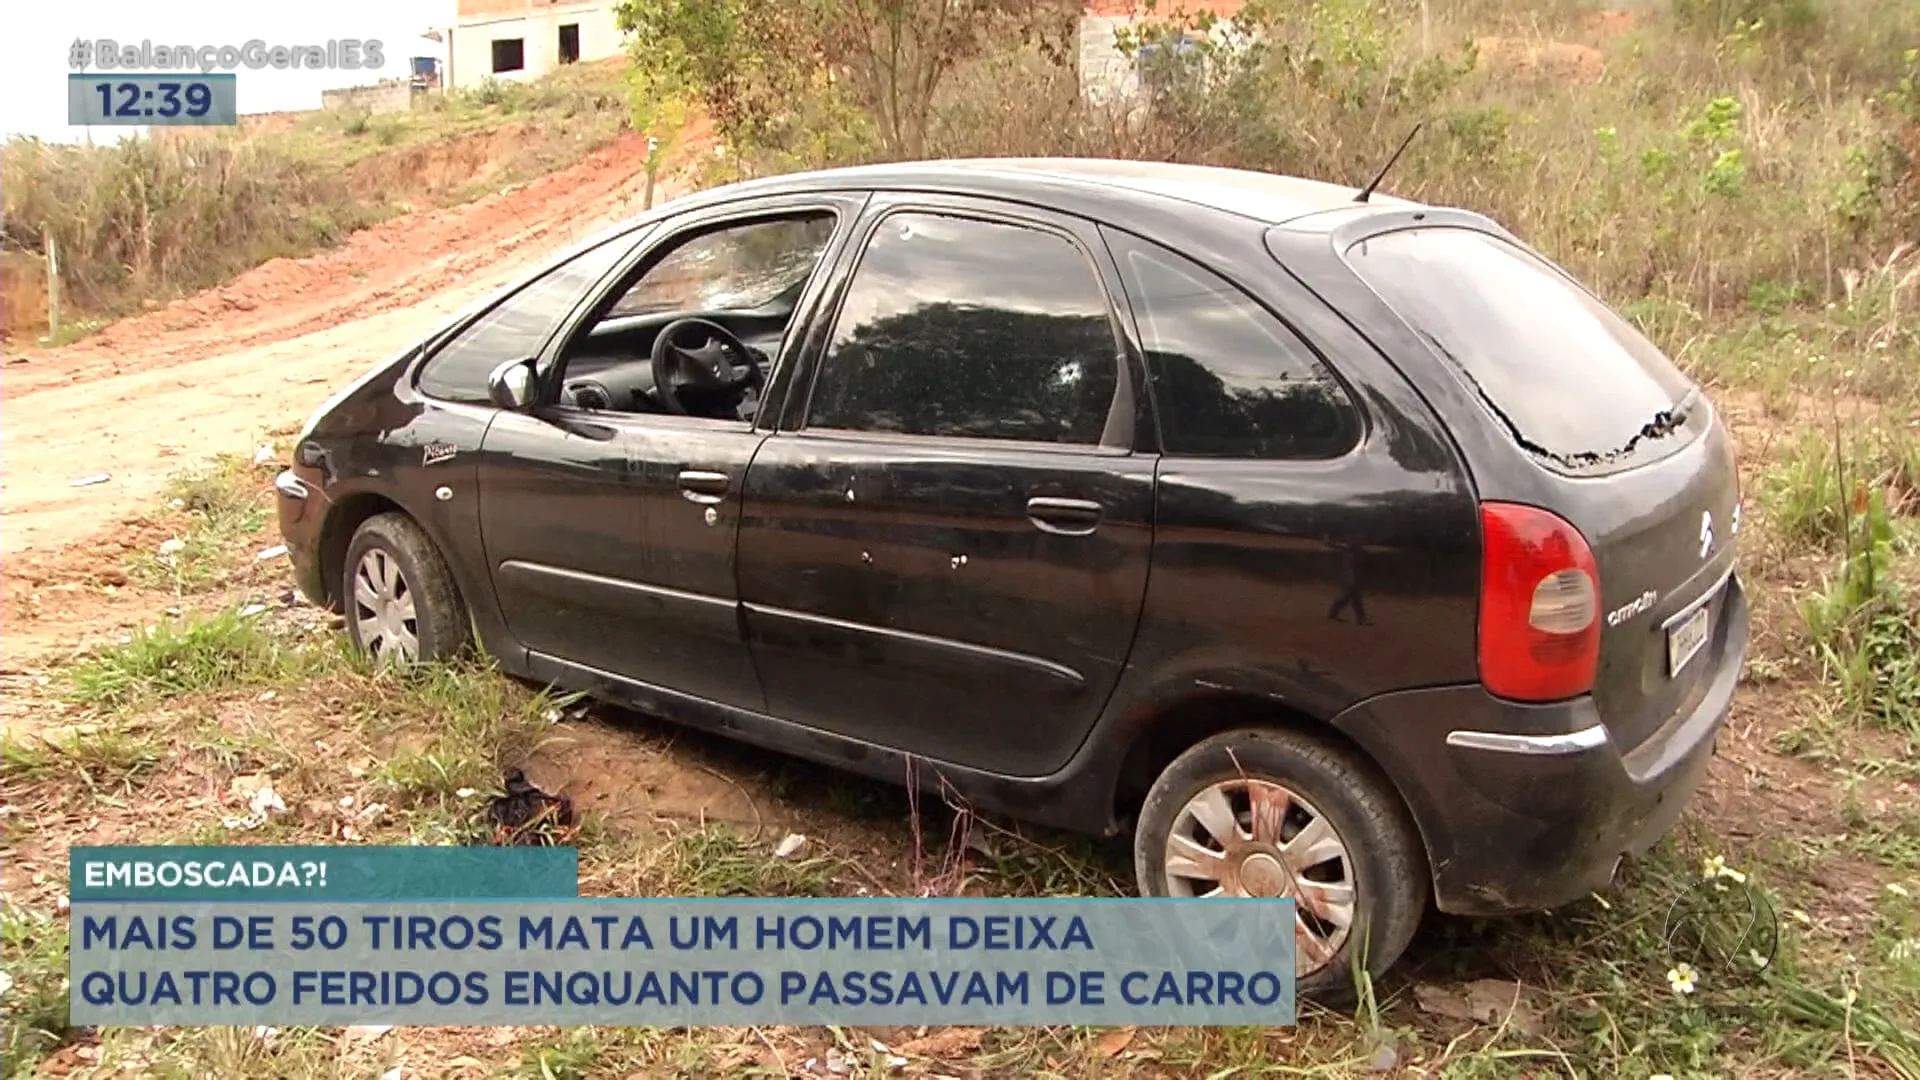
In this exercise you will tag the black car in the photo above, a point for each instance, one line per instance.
(1343, 548)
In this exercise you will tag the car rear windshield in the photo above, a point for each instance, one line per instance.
(1574, 382)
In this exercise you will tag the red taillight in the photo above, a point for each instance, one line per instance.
(1539, 605)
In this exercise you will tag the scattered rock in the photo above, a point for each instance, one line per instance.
(1384, 1058)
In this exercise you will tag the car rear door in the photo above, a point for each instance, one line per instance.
(945, 548)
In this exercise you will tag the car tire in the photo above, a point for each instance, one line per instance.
(1328, 788)
(401, 603)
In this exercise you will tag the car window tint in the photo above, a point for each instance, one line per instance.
(961, 327)
(1528, 340)
(738, 268)
(515, 328)
(1229, 379)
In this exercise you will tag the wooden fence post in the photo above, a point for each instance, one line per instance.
(53, 286)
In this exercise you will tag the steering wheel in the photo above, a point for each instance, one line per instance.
(719, 361)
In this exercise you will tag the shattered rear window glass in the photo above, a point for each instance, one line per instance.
(1572, 380)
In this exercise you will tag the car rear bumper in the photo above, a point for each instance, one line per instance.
(301, 507)
(1525, 807)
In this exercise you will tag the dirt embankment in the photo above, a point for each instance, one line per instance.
(216, 371)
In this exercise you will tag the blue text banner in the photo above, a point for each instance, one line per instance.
(693, 962)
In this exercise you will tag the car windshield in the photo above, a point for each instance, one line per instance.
(1574, 382)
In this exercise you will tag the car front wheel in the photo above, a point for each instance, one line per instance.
(401, 602)
(1279, 813)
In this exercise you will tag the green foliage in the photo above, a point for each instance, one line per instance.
(1863, 631)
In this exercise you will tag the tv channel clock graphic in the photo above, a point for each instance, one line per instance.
(119, 98)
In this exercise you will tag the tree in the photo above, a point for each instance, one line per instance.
(753, 63)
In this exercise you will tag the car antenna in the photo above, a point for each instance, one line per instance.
(1367, 191)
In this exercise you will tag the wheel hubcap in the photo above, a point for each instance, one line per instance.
(383, 610)
(1255, 838)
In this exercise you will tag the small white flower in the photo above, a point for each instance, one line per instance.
(1661, 1076)
(1897, 889)
(1905, 949)
(1681, 978)
(465, 793)
(1716, 867)
(172, 545)
(177, 504)
(1800, 917)
(1759, 962)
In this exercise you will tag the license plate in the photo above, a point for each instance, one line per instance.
(1686, 639)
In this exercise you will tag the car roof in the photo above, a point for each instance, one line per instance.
(1264, 197)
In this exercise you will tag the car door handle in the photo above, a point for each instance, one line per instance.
(703, 487)
(1067, 517)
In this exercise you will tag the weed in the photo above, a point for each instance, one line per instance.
(216, 506)
(1863, 632)
(478, 723)
(98, 756)
(573, 1057)
(36, 992)
(219, 652)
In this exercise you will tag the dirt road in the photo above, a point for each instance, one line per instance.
(217, 371)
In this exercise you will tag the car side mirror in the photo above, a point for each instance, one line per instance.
(512, 385)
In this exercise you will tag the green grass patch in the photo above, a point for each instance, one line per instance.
(223, 651)
(35, 1022)
(464, 723)
(1864, 630)
(714, 860)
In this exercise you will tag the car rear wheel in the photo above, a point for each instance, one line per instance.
(1272, 813)
(401, 602)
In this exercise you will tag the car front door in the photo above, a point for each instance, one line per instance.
(945, 547)
(609, 522)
